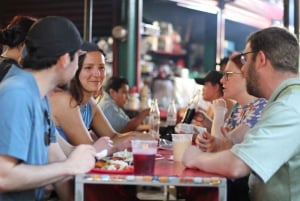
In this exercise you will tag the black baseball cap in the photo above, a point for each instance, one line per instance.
(53, 36)
(223, 61)
(213, 77)
(89, 47)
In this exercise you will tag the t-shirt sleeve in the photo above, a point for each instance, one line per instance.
(117, 120)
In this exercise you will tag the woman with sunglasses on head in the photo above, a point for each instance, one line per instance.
(245, 114)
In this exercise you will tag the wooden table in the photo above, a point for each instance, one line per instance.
(167, 173)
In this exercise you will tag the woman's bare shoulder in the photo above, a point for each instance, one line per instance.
(95, 106)
(60, 98)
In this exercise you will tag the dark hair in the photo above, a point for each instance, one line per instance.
(75, 87)
(15, 32)
(280, 47)
(38, 63)
(115, 83)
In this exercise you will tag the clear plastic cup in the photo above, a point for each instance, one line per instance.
(180, 143)
(144, 152)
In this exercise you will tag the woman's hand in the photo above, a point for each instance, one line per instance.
(104, 143)
(205, 141)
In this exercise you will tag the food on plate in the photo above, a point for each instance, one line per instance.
(118, 161)
(124, 155)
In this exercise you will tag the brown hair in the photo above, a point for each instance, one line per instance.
(15, 32)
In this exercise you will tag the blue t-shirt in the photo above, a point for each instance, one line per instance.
(86, 114)
(24, 125)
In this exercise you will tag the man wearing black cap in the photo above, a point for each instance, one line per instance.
(212, 90)
(213, 77)
(28, 142)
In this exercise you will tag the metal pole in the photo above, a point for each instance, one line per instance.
(220, 31)
(286, 13)
(139, 22)
(127, 56)
(88, 20)
(296, 18)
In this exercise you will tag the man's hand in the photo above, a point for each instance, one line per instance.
(81, 160)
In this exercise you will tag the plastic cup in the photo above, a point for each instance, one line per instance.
(180, 143)
(144, 152)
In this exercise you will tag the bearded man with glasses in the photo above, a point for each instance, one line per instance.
(270, 152)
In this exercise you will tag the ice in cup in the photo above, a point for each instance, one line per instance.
(144, 152)
(180, 143)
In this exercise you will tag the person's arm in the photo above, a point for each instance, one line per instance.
(66, 114)
(226, 141)
(236, 135)
(136, 121)
(219, 109)
(81, 160)
(102, 127)
(66, 147)
(223, 163)
(65, 187)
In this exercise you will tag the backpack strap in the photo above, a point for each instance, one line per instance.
(5, 64)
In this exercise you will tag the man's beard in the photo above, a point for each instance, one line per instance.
(252, 82)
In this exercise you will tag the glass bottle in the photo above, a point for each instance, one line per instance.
(171, 117)
(154, 119)
(190, 112)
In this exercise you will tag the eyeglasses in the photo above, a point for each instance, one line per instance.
(242, 56)
(226, 74)
(240, 59)
(47, 136)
